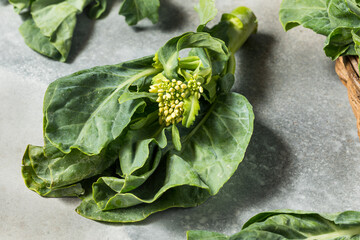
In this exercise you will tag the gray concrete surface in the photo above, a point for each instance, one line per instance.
(305, 152)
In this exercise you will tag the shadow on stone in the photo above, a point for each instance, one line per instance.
(72, 201)
(253, 77)
(82, 34)
(4, 2)
(171, 18)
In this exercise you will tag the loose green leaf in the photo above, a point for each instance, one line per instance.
(50, 26)
(37, 41)
(289, 224)
(136, 10)
(54, 21)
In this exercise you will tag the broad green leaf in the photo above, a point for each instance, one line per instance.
(341, 16)
(137, 147)
(136, 10)
(82, 110)
(41, 184)
(336, 19)
(308, 13)
(218, 141)
(176, 197)
(58, 174)
(290, 224)
(354, 6)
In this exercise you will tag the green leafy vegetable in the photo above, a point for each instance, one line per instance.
(142, 136)
(50, 26)
(339, 20)
(289, 224)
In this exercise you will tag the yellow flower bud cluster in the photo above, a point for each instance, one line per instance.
(195, 88)
(171, 95)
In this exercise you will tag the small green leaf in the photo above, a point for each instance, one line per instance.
(127, 96)
(37, 41)
(136, 10)
(97, 9)
(191, 110)
(207, 11)
(176, 137)
(20, 4)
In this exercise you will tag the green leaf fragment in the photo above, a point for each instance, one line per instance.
(206, 10)
(97, 9)
(50, 27)
(176, 137)
(37, 41)
(136, 10)
(191, 110)
(19, 5)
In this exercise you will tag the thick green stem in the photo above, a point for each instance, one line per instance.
(242, 23)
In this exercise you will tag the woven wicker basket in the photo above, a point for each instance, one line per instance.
(347, 69)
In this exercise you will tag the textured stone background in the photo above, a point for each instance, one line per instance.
(305, 152)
